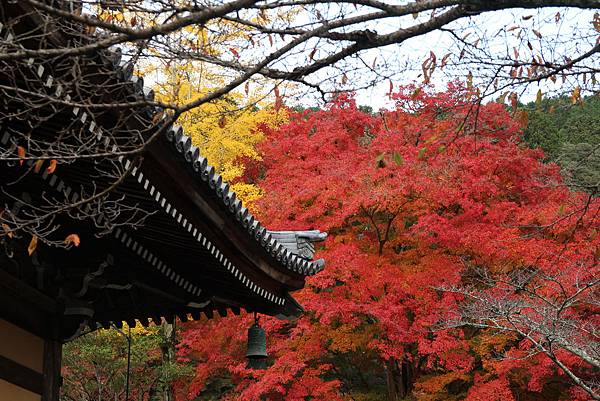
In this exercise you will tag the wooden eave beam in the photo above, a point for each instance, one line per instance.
(27, 307)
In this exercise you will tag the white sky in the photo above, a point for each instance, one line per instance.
(492, 25)
(573, 34)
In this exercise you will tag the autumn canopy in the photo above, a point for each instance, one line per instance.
(459, 265)
(402, 194)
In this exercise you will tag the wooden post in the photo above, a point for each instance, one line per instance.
(51, 370)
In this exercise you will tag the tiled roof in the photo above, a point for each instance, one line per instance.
(292, 249)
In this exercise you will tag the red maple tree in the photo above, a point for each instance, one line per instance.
(453, 253)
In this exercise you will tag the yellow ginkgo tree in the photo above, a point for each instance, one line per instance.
(226, 130)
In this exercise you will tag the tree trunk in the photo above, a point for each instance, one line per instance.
(398, 378)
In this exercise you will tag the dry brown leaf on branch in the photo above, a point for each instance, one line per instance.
(72, 239)
(32, 245)
(575, 95)
(445, 60)
(38, 166)
(157, 117)
(7, 230)
(21, 154)
(52, 166)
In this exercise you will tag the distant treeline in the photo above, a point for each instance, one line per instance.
(569, 134)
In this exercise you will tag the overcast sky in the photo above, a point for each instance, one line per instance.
(402, 63)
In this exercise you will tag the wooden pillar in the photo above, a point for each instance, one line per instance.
(51, 370)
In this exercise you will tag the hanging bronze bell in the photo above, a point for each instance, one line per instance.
(257, 347)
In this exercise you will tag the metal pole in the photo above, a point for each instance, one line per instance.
(128, 337)
(128, 365)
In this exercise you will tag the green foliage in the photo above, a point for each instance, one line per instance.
(569, 134)
(366, 109)
(95, 366)
(581, 165)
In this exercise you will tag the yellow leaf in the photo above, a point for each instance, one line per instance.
(538, 98)
(575, 95)
(38, 166)
(72, 239)
(246, 111)
(32, 245)
(52, 166)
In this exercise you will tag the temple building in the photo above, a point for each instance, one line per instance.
(141, 237)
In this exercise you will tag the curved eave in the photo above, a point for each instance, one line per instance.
(207, 175)
(213, 182)
(272, 259)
